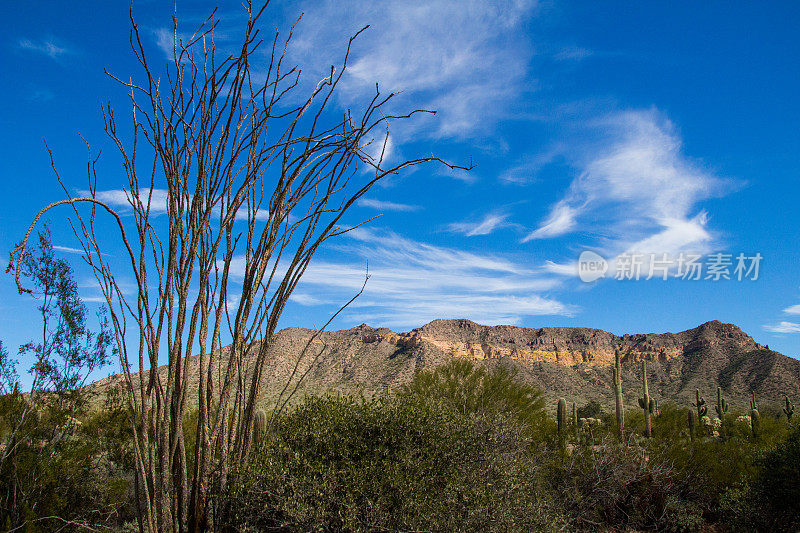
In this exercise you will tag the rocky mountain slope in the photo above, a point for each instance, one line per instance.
(571, 362)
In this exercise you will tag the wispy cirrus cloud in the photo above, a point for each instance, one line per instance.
(783, 327)
(48, 47)
(488, 224)
(121, 198)
(68, 250)
(636, 191)
(384, 205)
(411, 283)
(786, 326)
(466, 59)
(561, 220)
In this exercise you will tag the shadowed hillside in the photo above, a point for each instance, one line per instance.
(571, 362)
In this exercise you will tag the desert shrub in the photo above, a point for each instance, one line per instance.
(473, 390)
(619, 486)
(773, 501)
(56, 473)
(593, 409)
(349, 464)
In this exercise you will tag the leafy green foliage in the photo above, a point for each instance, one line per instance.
(593, 409)
(774, 495)
(469, 389)
(54, 471)
(349, 464)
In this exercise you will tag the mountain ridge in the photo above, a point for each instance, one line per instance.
(572, 362)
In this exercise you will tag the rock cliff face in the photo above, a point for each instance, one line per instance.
(569, 362)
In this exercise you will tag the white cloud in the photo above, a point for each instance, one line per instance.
(123, 198)
(68, 250)
(412, 283)
(383, 205)
(306, 299)
(46, 47)
(560, 221)
(465, 59)
(165, 40)
(783, 327)
(636, 190)
(487, 225)
(158, 202)
(793, 310)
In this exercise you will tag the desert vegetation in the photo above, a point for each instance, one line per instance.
(236, 172)
(459, 448)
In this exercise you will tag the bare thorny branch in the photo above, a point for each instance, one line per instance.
(256, 180)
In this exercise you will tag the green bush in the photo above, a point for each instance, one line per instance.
(774, 497)
(349, 464)
(613, 485)
(472, 390)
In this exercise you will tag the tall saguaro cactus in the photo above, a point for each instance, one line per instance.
(561, 416)
(755, 423)
(618, 395)
(788, 410)
(753, 404)
(700, 403)
(722, 406)
(646, 403)
(690, 415)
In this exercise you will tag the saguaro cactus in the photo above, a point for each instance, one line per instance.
(561, 416)
(722, 405)
(755, 422)
(700, 403)
(646, 403)
(618, 395)
(690, 414)
(753, 404)
(788, 410)
(259, 426)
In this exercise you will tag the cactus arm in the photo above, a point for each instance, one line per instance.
(788, 410)
(618, 400)
(645, 403)
(755, 422)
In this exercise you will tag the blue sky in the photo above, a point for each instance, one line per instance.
(619, 128)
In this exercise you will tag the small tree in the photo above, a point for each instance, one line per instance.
(36, 456)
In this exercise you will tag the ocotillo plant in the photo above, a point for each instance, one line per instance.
(789, 409)
(755, 422)
(690, 414)
(702, 408)
(618, 395)
(722, 405)
(561, 416)
(645, 403)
